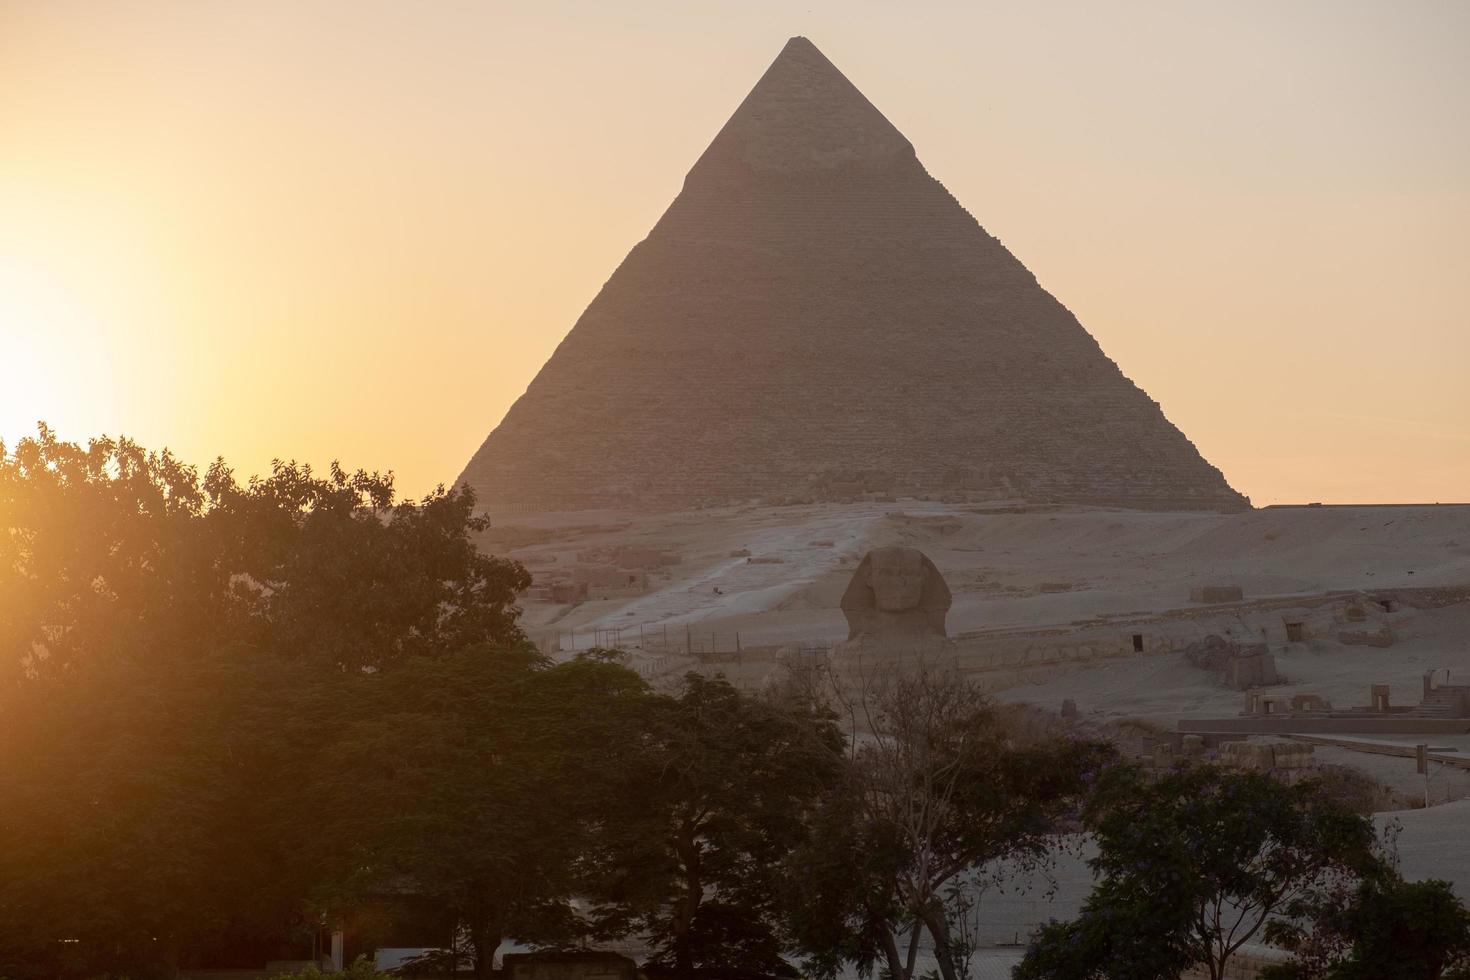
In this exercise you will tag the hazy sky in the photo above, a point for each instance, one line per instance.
(356, 229)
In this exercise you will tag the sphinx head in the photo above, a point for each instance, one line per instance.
(897, 577)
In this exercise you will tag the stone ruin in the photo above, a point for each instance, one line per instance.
(1444, 709)
(815, 317)
(1295, 705)
(1284, 760)
(1240, 667)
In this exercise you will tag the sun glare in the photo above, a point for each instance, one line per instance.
(45, 371)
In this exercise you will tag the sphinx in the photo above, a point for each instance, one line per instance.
(896, 594)
(895, 605)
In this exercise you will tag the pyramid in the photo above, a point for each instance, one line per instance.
(815, 317)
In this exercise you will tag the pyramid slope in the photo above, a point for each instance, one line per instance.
(816, 317)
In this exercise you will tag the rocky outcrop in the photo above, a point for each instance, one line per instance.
(816, 318)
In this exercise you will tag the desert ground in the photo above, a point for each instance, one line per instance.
(774, 576)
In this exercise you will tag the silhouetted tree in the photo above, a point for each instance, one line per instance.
(1384, 929)
(1192, 866)
(141, 812)
(474, 783)
(173, 652)
(111, 551)
(936, 788)
(719, 796)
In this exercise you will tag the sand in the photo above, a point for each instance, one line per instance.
(996, 563)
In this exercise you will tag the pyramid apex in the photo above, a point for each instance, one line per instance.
(804, 116)
(802, 48)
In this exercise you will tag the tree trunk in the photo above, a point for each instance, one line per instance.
(487, 929)
(943, 950)
(683, 959)
(486, 940)
(897, 969)
(688, 851)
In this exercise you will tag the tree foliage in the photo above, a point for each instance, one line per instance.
(1192, 866)
(471, 783)
(111, 551)
(718, 797)
(935, 788)
(174, 649)
(1385, 928)
(232, 713)
(142, 815)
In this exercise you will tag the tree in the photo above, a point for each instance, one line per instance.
(935, 788)
(1384, 929)
(720, 795)
(140, 824)
(473, 783)
(112, 551)
(173, 648)
(1192, 866)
